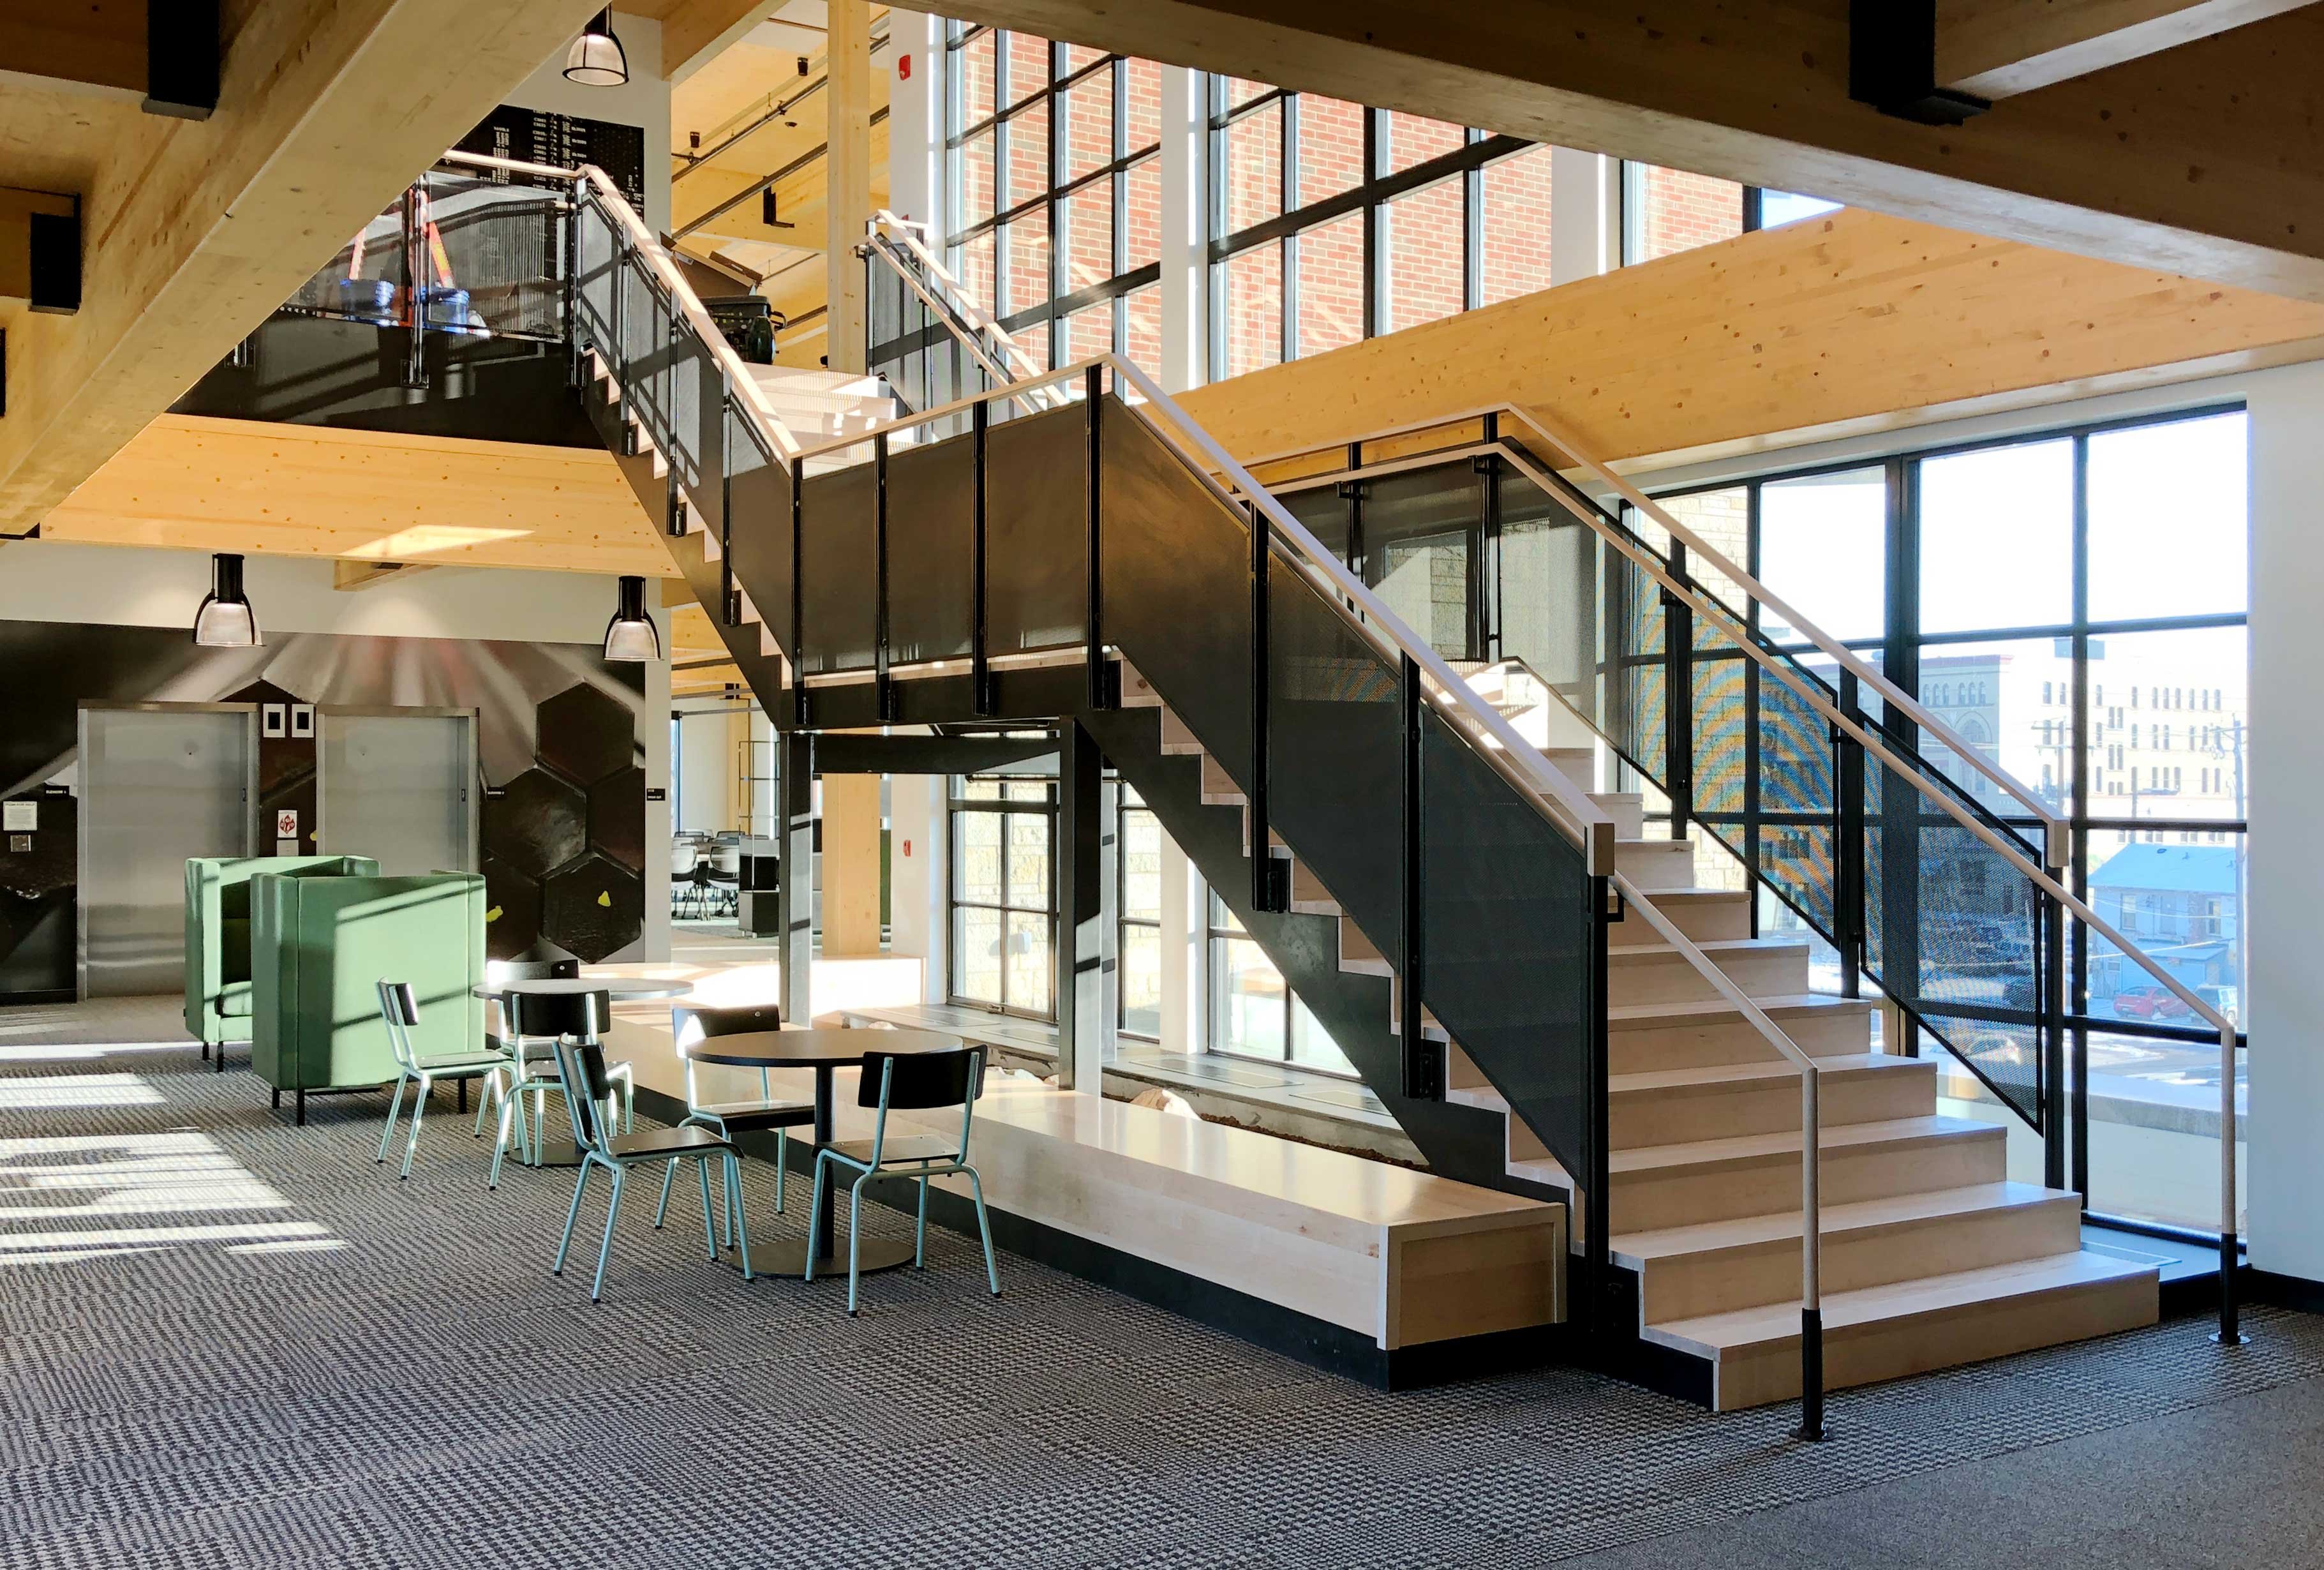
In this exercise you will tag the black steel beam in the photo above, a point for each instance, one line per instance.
(183, 47)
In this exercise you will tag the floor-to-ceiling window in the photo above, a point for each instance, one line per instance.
(2072, 606)
(1003, 895)
(1138, 915)
(1665, 211)
(1330, 222)
(1055, 186)
(1252, 1013)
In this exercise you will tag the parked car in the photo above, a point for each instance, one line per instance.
(2149, 1003)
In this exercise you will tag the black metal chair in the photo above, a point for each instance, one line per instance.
(913, 1082)
(581, 1065)
(539, 1020)
(728, 1119)
(500, 1034)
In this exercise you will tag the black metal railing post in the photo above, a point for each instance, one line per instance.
(2050, 980)
(1603, 1312)
(729, 608)
(981, 699)
(1811, 1373)
(573, 286)
(415, 290)
(1269, 873)
(1424, 1066)
(1848, 878)
(883, 687)
(1485, 565)
(1678, 698)
(1101, 689)
(798, 597)
(665, 440)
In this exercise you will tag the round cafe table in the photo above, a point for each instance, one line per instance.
(619, 988)
(825, 1051)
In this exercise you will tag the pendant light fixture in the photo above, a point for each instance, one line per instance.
(631, 634)
(597, 58)
(226, 620)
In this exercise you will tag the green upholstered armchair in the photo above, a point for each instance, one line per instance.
(319, 947)
(218, 937)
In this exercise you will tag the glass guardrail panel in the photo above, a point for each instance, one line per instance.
(365, 281)
(492, 257)
(1508, 961)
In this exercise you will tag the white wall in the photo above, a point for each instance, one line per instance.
(706, 772)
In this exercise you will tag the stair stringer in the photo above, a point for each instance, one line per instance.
(1462, 1142)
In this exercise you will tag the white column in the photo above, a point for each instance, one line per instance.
(660, 769)
(916, 125)
(2287, 694)
(1179, 969)
(915, 889)
(1185, 294)
(1585, 214)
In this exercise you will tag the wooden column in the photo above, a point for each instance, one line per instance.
(850, 166)
(850, 864)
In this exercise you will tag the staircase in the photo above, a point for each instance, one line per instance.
(821, 407)
(1584, 1053)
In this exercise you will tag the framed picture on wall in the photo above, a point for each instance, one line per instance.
(273, 721)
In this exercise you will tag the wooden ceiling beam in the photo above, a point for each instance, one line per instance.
(1848, 323)
(1997, 48)
(90, 46)
(2207, 159)
(197, 230)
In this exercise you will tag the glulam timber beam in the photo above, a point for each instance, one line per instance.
(160, 54)
(1848, 323)
(1997, 48)
(199, 229)
(2205, 160)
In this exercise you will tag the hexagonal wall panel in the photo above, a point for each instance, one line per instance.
(536, 824)
(584, 734)
(592, 908)
(512, 910)
(617, 817)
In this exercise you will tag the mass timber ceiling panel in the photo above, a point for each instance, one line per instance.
(196, 483)
(2206, 158)
(195, 231)
(1853, 322)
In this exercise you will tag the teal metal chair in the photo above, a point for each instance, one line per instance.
(729, 1118)
(913, 1082)
(401, 1011)
(532, 1023)
(581, 1065)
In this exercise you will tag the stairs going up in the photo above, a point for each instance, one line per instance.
(1930, 1255)
(823, 406)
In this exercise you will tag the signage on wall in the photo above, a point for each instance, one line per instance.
(273, 720)
(302, 721)
(565, 141)
(20, 817)
(286, 823)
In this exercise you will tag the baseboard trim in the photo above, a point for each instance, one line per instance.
(2277, 1291)
(1300, 1336)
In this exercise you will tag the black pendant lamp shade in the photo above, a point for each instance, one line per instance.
(226, 620)
(631, 634)
(597, 58)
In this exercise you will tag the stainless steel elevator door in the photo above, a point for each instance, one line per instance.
(398, 787)
(157, 786)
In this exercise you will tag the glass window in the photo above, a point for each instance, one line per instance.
(2169, 520)
(1782, 207)
(1331, 284)
(1997, 538)
(1516, 226)
(1003, 917)
(1426, 236)
(1252, 316)
(1252, 1013)
(1990, 693)
(1665, 211)
(1331, 147)
(2190, 763)
(1823, 548)
(1412, 139)
(1088, 139)
(1252, 169)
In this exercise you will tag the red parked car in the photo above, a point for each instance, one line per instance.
(2149, 1003)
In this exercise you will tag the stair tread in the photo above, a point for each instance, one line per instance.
(1699, 892)
(1775, 1005)
(1738, 1074)
(1934, 1203)
(1773, 1325)
(1638, 952)
(1746, 1147)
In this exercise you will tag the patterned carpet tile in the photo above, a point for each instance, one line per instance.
(229, 1343)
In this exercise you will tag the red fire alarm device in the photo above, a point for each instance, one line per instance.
(908, 850)
(903, 67)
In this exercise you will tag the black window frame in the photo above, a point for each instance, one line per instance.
(956, 804)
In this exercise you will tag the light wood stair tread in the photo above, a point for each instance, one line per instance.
(1752, 1147)
(1718, 1076)
(1774, 1325)
(1711, 947)
(1716, 1010)
(1864, 1215)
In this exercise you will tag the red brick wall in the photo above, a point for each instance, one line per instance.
(1680, 211)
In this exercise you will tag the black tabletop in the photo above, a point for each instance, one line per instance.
(813, 1048)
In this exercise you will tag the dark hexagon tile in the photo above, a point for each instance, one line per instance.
(592, 907)
(617, 817)
(536, 823)
(512, 910)
(584, 734)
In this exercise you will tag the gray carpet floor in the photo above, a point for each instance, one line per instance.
(227, 1343)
